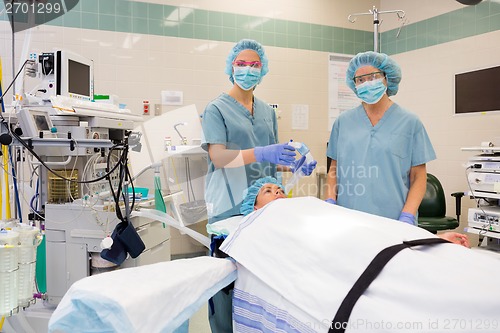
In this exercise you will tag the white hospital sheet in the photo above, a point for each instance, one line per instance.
(301, 256)
(152, 298)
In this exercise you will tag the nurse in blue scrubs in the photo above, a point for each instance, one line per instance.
(241, 137)
(379, 150)
(240, 134)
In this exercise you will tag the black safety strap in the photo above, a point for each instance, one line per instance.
(339, 323)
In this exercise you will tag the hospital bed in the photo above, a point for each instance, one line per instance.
(293, 271)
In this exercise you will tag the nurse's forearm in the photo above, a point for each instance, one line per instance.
(229, 158)
(418, 184)
(331, 181)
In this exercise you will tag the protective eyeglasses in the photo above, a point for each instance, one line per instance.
(242, 63)
(368, 77)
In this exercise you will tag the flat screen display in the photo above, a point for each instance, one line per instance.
(477, 91)
(78, 78)
(41, 122)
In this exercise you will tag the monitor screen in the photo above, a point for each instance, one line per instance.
(78, 78)
(41, 122)
(74, 76)
(477, 91)
(34, 122)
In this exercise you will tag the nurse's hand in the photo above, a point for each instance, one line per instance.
(280, 153)
(298, 164)
(308, 168)
(407, 218)
(331, 201)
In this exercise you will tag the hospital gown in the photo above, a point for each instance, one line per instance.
(373, 162)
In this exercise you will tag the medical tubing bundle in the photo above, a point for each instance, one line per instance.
(2, 95)
(16, 192)
(109, 171)
(42, 162)
(5, 182)
(306, 158)
(125, 237)
(90, 169)
(170, 221)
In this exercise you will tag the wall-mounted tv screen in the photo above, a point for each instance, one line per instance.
(477, 91)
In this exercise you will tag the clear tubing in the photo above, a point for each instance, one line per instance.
(170, 221)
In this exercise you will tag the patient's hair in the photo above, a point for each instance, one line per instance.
(250, 195)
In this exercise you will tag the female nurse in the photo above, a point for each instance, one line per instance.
(241, 137)
(379, 150)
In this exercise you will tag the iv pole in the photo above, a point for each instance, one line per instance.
(375, 12)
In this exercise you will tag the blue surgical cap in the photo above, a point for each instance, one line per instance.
(250, 194)
(378, 60)
(246, 44)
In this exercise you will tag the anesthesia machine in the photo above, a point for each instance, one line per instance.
(74, 192)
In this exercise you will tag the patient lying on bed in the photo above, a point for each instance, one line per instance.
(268, 189)
(298, 258)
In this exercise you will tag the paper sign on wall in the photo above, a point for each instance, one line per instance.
(172, 97)
(340, 96)
(300, 117)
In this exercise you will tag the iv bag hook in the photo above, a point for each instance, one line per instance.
(375, 12)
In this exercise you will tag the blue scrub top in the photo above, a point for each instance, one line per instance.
(227, 122)
(373, 162)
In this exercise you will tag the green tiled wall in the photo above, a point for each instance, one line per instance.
(466, 22)
(173, 21)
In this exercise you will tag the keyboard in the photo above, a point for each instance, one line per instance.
(64, 105)
(69, 103)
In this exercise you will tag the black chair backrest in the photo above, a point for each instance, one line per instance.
(433, 204)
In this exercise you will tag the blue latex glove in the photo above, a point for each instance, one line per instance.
(280, 153)
(407, 218)
(297, 164)
(306, 169)
(309, 167)
(332, 201)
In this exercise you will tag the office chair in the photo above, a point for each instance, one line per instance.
(432, 210)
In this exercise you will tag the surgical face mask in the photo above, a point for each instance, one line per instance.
(246, 77)
(371, 91)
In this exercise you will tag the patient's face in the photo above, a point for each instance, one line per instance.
(268, 193)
